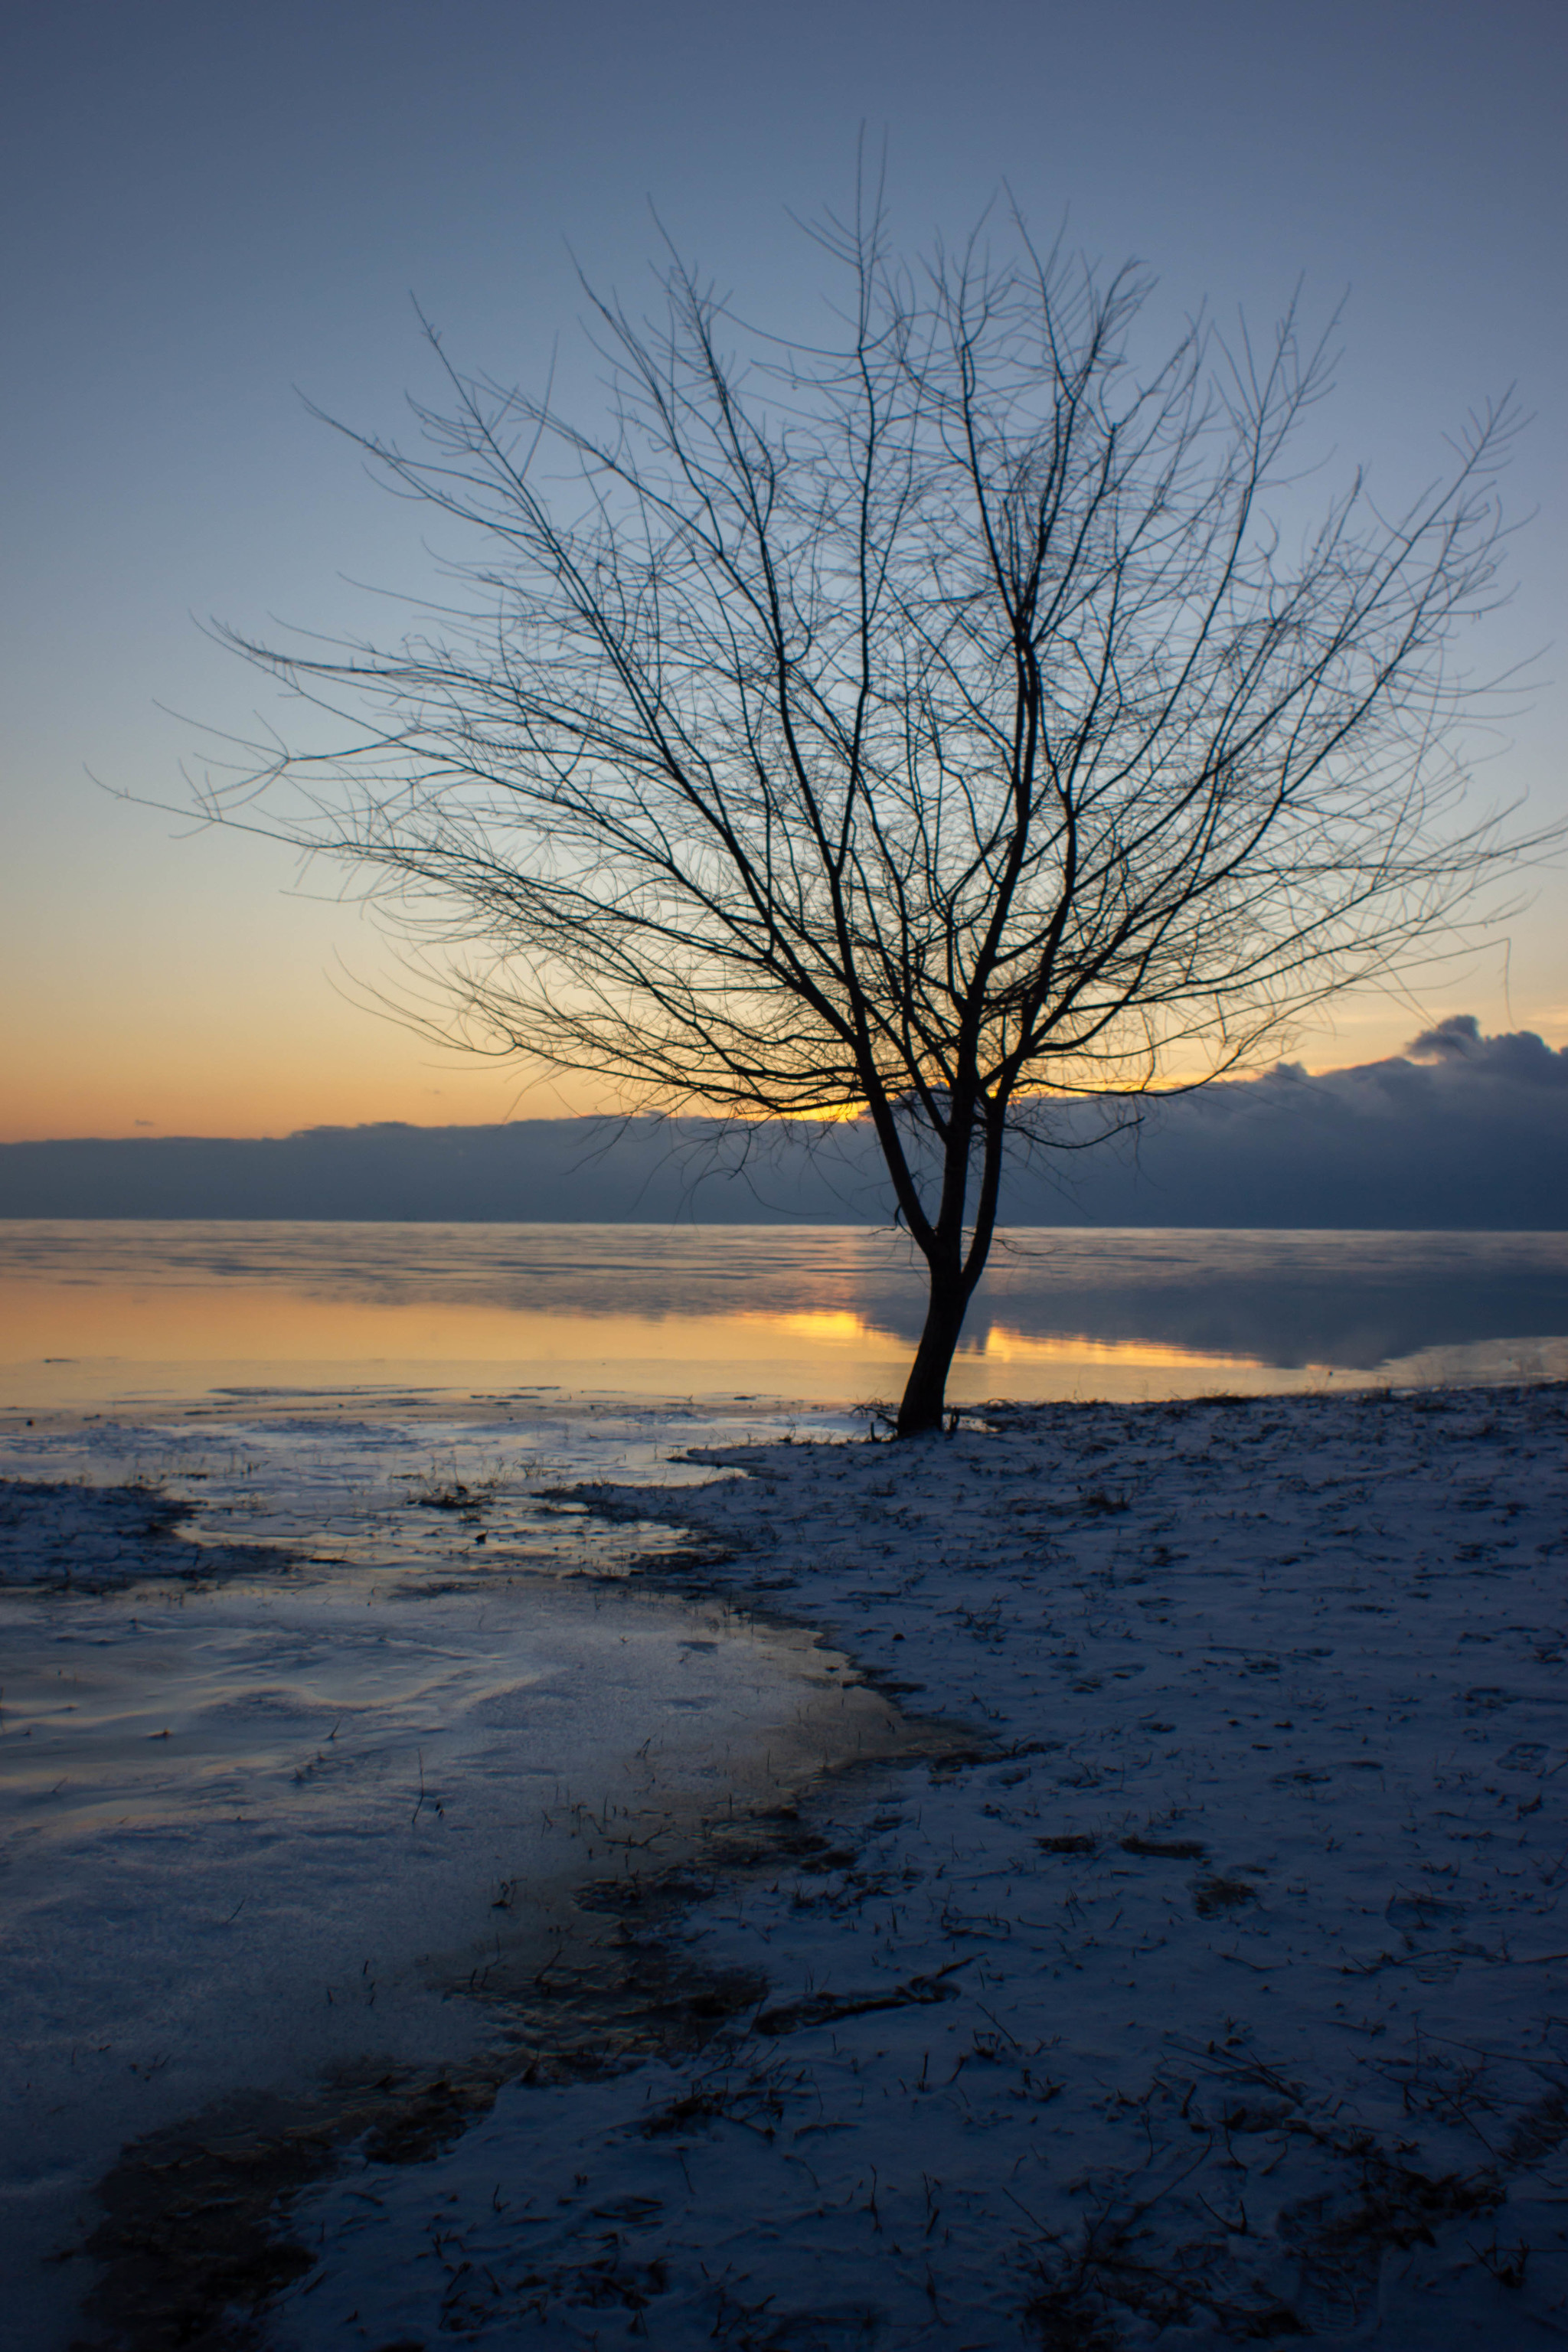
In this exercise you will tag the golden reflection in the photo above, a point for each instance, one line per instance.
(1001, 1346)
(225, 1320)
(837, 1327)
(178, 1333)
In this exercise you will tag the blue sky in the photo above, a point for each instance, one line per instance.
(213, 210)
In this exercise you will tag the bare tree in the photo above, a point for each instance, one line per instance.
(932, 726)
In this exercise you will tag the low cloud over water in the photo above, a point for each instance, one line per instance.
(1461, 1131)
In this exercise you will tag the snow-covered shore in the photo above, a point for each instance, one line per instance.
(1207, 1982)
(277, 1828)
(1222, 1996)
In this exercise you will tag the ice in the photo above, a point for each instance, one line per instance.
(1205, 1981)
(267, 1815)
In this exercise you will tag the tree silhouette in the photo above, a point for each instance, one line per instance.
(931, 725)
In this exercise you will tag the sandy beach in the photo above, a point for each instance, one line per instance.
(1200, 1977)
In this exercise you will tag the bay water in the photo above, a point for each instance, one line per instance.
(93, 1313)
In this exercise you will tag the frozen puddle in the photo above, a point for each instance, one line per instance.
(261, 1824)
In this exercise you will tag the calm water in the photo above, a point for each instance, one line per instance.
(93, 1312)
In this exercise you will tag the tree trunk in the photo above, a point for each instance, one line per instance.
(925, 1392)
(954, 1267)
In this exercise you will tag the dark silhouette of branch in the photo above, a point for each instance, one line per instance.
(933, 726)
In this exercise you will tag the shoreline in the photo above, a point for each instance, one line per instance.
(194, 2233)
(1212, 1994)
(224, 1789)
(1219, 2000)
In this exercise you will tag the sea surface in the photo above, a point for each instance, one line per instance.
(96, 1313)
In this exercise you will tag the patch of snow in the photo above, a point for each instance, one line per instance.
(1222, 1994)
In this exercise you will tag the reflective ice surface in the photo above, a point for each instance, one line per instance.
(94, 1311)
(281, 1782)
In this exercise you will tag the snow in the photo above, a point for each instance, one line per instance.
(1203, 1979)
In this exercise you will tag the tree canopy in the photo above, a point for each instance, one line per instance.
(927, 724)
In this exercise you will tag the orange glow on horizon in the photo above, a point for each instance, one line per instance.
(268, 1062)
(114, 1085)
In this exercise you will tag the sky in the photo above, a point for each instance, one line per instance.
(217, 214)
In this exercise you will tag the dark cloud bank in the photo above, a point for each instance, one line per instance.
(1461, 1133)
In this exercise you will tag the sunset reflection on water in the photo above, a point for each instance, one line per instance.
(92, 1313)
(1003, 1345)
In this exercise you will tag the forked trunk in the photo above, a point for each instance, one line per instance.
(925, 1393)
(954, 1256)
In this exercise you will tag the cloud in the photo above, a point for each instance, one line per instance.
(1457, 1036)
(1461, 1131)
(1520, 1054)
